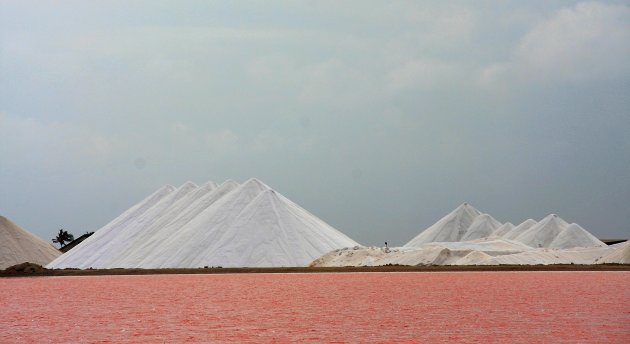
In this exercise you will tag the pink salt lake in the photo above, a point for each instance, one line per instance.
(473, 307)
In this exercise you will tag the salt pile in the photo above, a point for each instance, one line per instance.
(451, 227)
(621, 255)
(468, 237)
(466, 223)
(231, 225)
(17, 245)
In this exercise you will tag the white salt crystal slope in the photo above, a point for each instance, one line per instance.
(110, 249)
(451, 227)
(492, 246)
(474, 258)
(77, 256)
(482, 227)
(194, 239)
(575, 236)
(543, 233)
(546, 256)
(520, 229)
(503, 229)
(17, 245)
(148, 236)
(160, 247)
(272, 231)
(618, 255)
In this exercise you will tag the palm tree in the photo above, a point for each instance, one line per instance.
(63, 237)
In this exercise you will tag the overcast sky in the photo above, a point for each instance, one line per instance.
(379, 117)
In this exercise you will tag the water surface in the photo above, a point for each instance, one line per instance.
(344, 307)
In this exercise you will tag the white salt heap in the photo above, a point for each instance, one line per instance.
(467, 237)
(248, 225)
(451, 227)
(621, 255)
(17, 245)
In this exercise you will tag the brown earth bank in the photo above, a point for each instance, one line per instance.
(29, 269)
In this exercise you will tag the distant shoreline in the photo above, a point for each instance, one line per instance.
(428, 268)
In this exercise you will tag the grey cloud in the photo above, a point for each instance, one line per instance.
(372, 117)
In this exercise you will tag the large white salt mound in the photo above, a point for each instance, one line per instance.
(451, 227)
(619, 255)
(520, 229)
(18, 245)
(247, 225)
(575, 236)
(482, 227)
(205, 229)
(79, 254)
(544, 232)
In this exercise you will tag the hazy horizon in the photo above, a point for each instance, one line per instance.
(377, 117)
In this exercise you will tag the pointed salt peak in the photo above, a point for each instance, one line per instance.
(527, 223)
(508, 224)
(554, 218)
(466, 207)
(230, 182)
(269, 194)
(167, 187)
(209, 184)
(188, 185)
(256, 183)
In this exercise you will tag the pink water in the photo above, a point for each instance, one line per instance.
(355, 307)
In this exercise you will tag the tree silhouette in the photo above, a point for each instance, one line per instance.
(63, 237)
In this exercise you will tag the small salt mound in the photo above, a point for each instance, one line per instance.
(482, 227)
(351, 256)
(79, 254)
(543, 233)
(451, 227)
(490, 246)
(503, 229)
(412, 256)
(619, 255)
(549, 256)
(450, 257)
(18, 245)
(474, 258)
(575, 236)
(520, 229)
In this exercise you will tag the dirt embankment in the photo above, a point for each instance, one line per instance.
(29, 269)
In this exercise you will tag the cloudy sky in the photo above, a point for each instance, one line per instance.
(378, 116)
